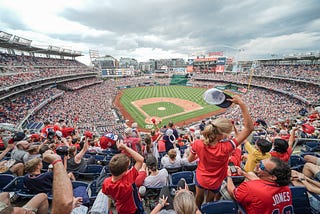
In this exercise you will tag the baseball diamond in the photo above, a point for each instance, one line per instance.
(179, 104)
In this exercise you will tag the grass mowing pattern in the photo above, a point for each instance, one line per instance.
(170, 108)
(182, 92)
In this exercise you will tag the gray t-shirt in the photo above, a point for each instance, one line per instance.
(18, 154)
(158, 180)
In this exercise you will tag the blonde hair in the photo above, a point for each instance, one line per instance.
(172, 153)
(218, 128)
(184, 203)
(31, 165)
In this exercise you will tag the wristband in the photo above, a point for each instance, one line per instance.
(56, 161)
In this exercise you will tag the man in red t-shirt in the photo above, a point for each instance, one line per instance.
(121, 185)
(268, 192)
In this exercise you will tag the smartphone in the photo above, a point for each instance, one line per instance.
(120, 137)
(233, 169)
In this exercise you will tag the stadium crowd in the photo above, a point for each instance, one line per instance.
(159, 156)
(253, 139)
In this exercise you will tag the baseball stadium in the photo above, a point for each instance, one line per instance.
(61, 117)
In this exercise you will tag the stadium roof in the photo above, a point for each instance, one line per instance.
(18, 43)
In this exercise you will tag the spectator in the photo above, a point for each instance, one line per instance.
(63, 200)
(151, 147)
(38, 204)
(10, 166)
(182, 203)
(107, 141)
(172, 159)
(299, 179)
(76, 161)
(33, 152)
(202, 125)
(120, 186)
(20, 151)
(171, 134)
(156, 178)
(214, 151)
(312, 167)
(185, 161)
(257, 153)
(36, 181)
(266, 192)
(312, 159)
(283, 149)
(131, 141)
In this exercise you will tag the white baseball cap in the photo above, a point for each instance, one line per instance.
(216, 97)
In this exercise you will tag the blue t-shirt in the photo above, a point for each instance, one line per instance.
(41, 183)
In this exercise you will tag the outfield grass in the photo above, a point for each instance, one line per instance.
(181, 92)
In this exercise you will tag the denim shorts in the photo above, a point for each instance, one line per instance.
(212, 190)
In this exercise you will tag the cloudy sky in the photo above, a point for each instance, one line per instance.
(145, 29)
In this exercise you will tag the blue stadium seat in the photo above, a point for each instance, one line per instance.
(99, 157)
(189, 167)
(80, 189)
(174, 178)
(296, 162)
(5, 179)
(105, 170)
(311, 146)
(174, 169)
(17, 186)
(220, 207)
(91, 171)
(300, 200)
(76, 184)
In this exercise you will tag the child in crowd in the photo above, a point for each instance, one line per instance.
(256, 153)
(121, 185)
(283, 149)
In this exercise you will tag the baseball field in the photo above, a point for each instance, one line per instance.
(179, 104)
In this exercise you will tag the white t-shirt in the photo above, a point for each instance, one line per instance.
(165, 160)
(158, 180)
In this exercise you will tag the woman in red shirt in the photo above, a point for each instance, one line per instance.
(214, 150)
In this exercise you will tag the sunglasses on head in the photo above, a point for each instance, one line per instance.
(263, 168)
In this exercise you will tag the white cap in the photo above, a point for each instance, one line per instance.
(216, 97)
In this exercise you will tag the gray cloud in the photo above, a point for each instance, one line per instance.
(10, 19)
(184, 27)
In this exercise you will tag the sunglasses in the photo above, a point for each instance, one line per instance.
(263, 168)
